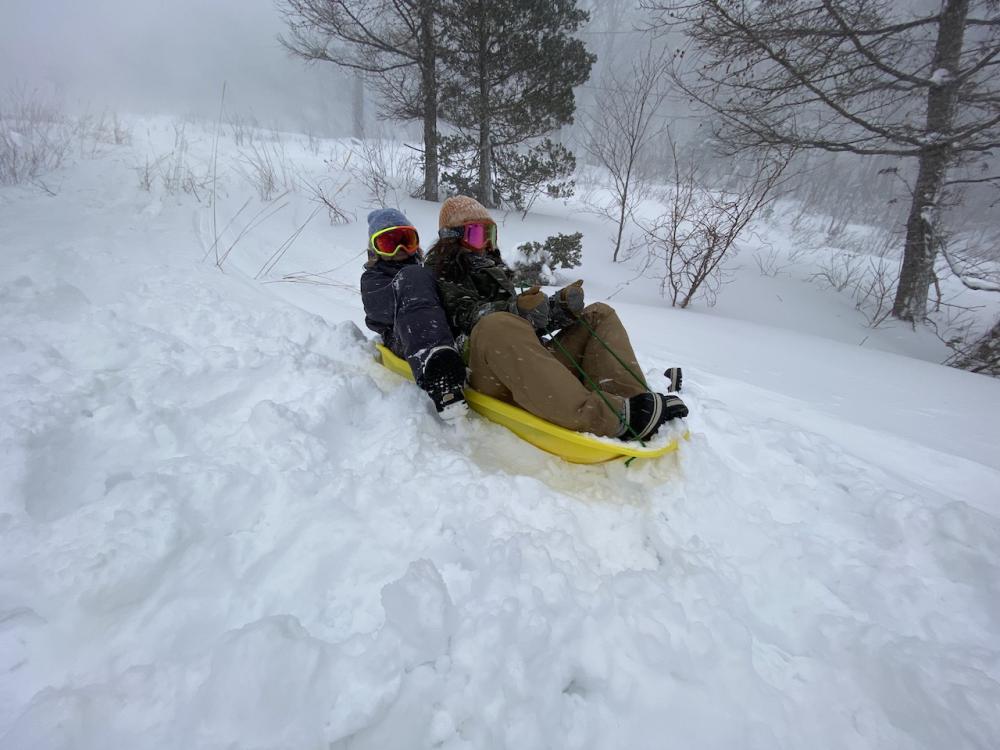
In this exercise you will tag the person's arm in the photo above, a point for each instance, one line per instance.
(464, 307)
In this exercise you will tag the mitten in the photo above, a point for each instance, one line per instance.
(533, 306)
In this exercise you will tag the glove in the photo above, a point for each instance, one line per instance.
(566, 304)
(571, 297)
(533, 306)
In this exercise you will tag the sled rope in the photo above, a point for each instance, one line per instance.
(595, 387)
(612, 352)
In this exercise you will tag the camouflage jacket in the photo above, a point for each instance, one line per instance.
(484, 289)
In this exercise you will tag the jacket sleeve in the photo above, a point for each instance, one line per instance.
(464, 307)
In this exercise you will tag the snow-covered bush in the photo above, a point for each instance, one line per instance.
(767, 261)
(840, 271)
(35, 137)
(980, 355)
(105, 128)
(266, 166)
(564, 249)
(242, 128)
(176, 171)
(532, 269)
(537, 262)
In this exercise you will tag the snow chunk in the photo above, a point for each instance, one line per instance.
(418, 607)
(272, 684)
(263, 682)
(941, 76)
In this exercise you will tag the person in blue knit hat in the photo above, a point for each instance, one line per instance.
(403, 306)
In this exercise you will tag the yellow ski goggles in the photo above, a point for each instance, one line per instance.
(387, 242)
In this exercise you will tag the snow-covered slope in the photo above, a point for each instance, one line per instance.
(222, 525)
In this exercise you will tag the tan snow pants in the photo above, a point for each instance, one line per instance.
(509, 362)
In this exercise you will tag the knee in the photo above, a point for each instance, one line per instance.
(414, 277)
(415, 287)
(600, 308)
(597, 311)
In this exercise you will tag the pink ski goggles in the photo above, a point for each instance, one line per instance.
(476, 235)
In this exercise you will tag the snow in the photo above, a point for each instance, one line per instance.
(224, 525)
(941, 76)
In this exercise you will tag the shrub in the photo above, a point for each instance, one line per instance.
(538, 261)
(565, 249)
(35, 137)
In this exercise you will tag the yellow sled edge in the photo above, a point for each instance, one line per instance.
(571, 446)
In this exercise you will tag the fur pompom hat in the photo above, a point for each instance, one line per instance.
(461, 209)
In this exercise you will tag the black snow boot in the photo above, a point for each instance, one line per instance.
(443, 379)
(674, 375)
(645, 413)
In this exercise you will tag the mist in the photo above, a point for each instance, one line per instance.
(159, 57)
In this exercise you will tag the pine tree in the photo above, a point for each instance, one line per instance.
(391, 42)
(508, 72)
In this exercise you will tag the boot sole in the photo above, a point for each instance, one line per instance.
(453, 411)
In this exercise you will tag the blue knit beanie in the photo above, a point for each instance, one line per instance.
(383, 218)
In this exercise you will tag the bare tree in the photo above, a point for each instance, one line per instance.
(700, 227)
(619, 135)
(872, 77)
(393, 42)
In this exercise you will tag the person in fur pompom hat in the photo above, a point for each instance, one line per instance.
(570, 364)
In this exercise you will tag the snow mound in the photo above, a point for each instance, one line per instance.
(224, 525)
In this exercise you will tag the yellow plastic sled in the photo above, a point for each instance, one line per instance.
(571, 446)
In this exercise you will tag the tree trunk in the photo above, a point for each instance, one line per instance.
(920, 250)
(485, 181)
(621, 222)
(428, 77)
(430, 151)
(485, 152)
(358, 106)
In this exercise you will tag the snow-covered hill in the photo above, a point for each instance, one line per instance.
(223, 525)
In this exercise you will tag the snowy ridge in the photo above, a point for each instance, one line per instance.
(224, 525)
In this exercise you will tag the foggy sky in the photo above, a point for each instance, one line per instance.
(168, 56)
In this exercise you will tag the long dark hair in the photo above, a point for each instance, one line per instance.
(452, 262)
